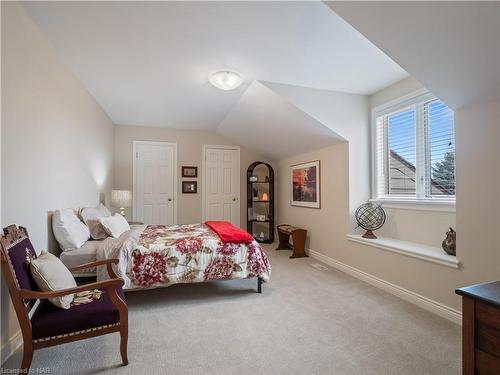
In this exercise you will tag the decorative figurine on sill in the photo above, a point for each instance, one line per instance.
(450, 242)
(370, 216)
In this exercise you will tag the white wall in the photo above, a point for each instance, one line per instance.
(327, 227)
(463, 73)
(478, 181)
(395, 91)
(189, 148)
(478, 188)
(57, 143)
(347, 115)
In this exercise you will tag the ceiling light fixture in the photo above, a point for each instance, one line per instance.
(226, 79)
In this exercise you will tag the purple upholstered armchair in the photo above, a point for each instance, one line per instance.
(51, 325)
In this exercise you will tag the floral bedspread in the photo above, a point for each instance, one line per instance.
(163, 255)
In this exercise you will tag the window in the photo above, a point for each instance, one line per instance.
(415, 150)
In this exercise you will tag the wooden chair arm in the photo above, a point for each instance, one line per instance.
(94, 264)
(107, 262)
(106, 284)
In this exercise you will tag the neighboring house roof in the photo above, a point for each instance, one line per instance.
(403, 175)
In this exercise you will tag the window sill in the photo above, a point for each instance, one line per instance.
(443, 205)
(411, 249)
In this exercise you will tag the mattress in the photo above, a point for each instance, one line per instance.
(85, 254)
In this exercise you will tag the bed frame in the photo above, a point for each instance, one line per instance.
(86, 280)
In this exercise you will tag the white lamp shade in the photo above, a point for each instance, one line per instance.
(226, 79)
(121, 198)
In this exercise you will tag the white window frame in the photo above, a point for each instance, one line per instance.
(420, 201)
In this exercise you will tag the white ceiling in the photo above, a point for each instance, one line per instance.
(345, 114)
(267, 123)
(147, 63)
(451, 47)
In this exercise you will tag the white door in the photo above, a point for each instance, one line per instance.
(155, 179)
(221, 185)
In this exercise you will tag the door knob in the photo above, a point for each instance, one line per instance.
(235, 199)
(170, 199)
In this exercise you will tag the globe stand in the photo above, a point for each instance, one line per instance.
(369, 234)
(370, 217)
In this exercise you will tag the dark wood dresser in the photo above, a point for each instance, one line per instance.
(481, 328)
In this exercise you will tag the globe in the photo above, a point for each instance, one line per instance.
(370, 216)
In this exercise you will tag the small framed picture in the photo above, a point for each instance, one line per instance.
(189, 187)
(189, 171)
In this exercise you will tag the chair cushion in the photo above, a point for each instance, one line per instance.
(20, 255)
(49, 320)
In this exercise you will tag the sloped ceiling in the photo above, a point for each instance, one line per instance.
(343, 113)
(451, 47)
(147, 63)
(265, 122)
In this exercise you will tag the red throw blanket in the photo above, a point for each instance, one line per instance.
(228, 233)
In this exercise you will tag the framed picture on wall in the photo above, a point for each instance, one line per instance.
(189, 171)
(189, 187)
(305, 189)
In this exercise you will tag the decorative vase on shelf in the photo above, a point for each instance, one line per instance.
(255, 194)
(253, 179)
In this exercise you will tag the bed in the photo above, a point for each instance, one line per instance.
(154, 256)
(87, 253)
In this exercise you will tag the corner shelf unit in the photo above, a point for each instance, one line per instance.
(265, 206)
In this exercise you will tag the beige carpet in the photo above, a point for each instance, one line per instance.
(306, 321)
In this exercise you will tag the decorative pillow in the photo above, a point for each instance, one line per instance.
(69, 230)
(50, 275)
(91, 216)
(115, 225)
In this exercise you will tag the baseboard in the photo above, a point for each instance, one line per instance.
(426, 303)
(14, 343)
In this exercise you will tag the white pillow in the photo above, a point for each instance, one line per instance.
(91, 216)
(50, 275)
(115, 225)
(69, 230)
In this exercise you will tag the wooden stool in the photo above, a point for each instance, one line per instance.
(298, 239)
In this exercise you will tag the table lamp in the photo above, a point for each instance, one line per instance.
(121, 199)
